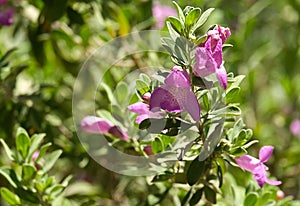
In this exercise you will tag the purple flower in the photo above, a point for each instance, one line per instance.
(176, 95)
(257, 166)
(2, 2)
(6, 16)
(94, 124)
(209, 55)
(144, 112)
(295, 127)
(160, 13)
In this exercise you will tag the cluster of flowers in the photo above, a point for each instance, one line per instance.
(176, 96)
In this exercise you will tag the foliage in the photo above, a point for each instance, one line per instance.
(40, 57)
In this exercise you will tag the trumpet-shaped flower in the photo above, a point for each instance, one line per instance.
(94, 124)
(209, 58)
(257, 166)
(176, 95)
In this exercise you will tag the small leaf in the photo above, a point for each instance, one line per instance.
(232, 94)
(36, 140)
(28, 171)
(10, 197)
(173, 34)
(121, 92)
(162, 177)
(157, 145)
(7, 150)
(192, 16)
(142, 87)
(43, 151)
(212, 139)
(196, 197)
(210, 195)
(22, 142)
(10, 176)
(145, 78)
(51, 159)
(176, 24)
(203, 18)
(195, 171)
(250, 199)
(179, 11)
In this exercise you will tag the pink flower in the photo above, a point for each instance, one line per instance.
(176, 95)
(160, 13)
(257, 166)
(6, 16)
(209, 55)
(295, 127)
(144, 112)
(94, 124)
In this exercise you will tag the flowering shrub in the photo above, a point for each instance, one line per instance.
(166, 113)
(191, 118)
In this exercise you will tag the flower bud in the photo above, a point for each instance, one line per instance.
(146, 97)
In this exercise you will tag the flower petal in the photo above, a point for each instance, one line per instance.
(141, 118)
(178, 79)
(205, 64)
(162, 98)
(191, 105)
(265, 153)
(95, 125)
(273, 182)
(139, 107)
(248, 162)
(116, 131)
(222, 76)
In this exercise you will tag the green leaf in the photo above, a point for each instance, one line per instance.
(196, 197)
(212, 139)
(28, 171)
(176, 24)
(43, 151)
(157, 145)
(232, 94)
(22, 142)
(203, 18)
(238, 151)
(179, 11)
(229, 110)
(192, 16)
(145, 78)
(210, 195)
(36, 140)
(195, 171)
(10, 176)
(10, 197)
(173, 33)
(142, 87)
(51, 159)
(121, 92)
(250, 199)
(7, 150)
(162, 177)
(109, 93)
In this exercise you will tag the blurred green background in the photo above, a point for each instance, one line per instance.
(50, 40)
